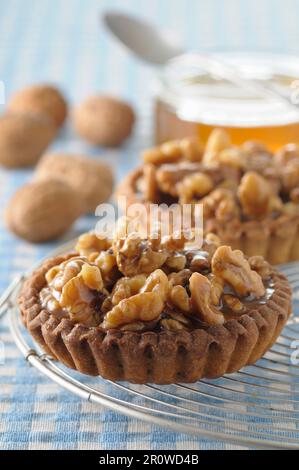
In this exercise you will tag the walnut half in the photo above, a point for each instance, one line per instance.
(137, 256)
(233, 268)
(144, 306)
(255, 195)
(201, 299)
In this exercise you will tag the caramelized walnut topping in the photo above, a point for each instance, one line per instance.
(106, 261)
(89, 243)
(257, 157)
(217, 288)
(48, 301)
(218, 140)
(176, 262)
(294, 195)
(227, 210)
(135, 256)
(290, 175)
(234, 184)
(228, 183)
(233, 268)
(92, 277)
(260, 265)
(161, 282)
(139, 326)
(194, 187)
(126, 287)
(234, 303)
(232, 157)
(286, 154)
(255, 195)
(169, 176)
(291, 208)
(180, 298)
(212, 201)
(157, 282)
(145, 306)
(58, 276)
(198, 260)
(201, 299)
(77, 287)
(276, 205)
(150, 187)
(178, 316)
(107, 305)
(211, 240)
(181, 278)
(253, 147)
(172, 325)
(167, 152)
(174, 242)
(191, 149)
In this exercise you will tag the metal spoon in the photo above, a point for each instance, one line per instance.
(157, 46)
(146, 41)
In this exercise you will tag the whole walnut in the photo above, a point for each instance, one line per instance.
(103, 120)
(43, 210)
(23, 138)
(41, 99)
(91, 178)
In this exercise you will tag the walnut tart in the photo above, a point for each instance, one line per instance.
(249, 195)
(157, 310)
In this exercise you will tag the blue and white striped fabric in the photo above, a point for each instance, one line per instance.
(60, 41)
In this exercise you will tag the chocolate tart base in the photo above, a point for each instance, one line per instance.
(162, 357)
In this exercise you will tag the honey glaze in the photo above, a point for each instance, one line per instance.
(193, 285)
(50, 298)
(250, 302)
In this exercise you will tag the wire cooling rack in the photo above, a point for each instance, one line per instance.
(255, 407)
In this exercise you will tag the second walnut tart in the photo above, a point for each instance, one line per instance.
(250, 196)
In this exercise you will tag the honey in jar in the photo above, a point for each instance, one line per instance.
(190, 101)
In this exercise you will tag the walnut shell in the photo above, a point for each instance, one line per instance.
(43, 210)
(104, 120)
(92, 179)
(40, 99)
(23, 138)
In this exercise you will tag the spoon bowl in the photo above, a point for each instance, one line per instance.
(149, 43)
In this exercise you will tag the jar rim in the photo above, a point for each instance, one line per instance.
(197, 95)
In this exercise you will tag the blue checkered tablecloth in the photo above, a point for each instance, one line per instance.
(61, 41)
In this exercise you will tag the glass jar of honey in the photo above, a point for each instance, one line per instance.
(191, 101)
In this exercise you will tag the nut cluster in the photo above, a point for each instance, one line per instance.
(233, 183)
(138, 284)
